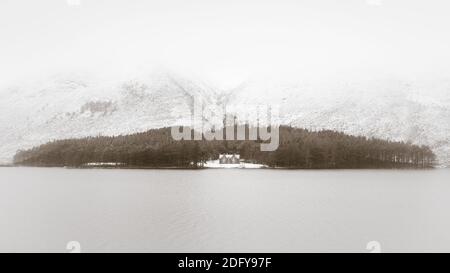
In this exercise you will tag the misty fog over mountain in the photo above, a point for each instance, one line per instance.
(78, 106)
(372, 68)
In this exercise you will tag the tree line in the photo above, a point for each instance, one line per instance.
(298, 149)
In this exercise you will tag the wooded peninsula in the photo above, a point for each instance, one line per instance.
(298, 149)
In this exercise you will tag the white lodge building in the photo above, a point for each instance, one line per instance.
(229, 159)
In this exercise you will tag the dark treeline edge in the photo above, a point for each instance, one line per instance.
(298, 149)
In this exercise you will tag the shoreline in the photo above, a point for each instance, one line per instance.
(218, 168)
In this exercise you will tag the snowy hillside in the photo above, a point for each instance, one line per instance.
(388, 109)
(73, 107)
(76, 106)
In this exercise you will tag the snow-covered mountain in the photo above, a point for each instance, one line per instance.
(71, 107)
(77, 106)
(388, 109)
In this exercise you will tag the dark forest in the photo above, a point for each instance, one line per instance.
(298, 149)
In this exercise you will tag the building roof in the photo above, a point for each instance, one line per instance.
(229, 155)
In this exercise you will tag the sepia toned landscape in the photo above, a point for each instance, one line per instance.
(213, 126)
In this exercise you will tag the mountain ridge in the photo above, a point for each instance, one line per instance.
(71, 107)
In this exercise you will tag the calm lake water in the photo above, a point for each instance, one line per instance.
(42, 209)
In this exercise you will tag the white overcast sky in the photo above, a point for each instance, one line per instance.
(227, 40)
